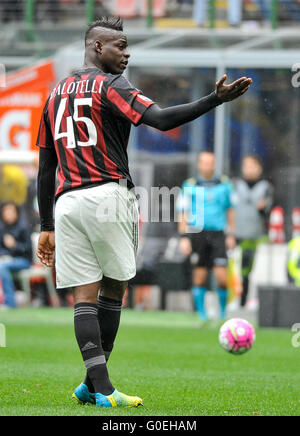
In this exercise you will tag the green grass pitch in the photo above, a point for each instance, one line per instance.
(177, 367)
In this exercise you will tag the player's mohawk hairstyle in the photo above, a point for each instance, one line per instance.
(115, 23)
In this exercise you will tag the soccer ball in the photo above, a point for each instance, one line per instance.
(237, 336)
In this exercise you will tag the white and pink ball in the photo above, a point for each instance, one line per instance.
(237, 336)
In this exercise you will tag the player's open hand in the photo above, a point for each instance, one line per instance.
(234, 90)
(46, 248)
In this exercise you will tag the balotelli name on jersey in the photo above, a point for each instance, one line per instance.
(90, 113)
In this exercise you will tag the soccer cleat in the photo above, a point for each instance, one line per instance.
(117, 399)
(83, 395)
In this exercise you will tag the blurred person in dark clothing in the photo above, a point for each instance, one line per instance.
(53, 9)
(15, 249)
(184, 3)
(254, 198)
(12, 10)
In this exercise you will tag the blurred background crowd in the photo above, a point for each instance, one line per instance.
(179, 49)
(234, 12)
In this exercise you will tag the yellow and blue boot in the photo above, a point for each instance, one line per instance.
(117, 399)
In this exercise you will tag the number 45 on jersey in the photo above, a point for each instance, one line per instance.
(69, 134)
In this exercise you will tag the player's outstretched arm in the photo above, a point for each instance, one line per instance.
(175, 116)
(46, 191)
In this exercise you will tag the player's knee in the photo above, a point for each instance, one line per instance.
(111, 288)
(86, 293)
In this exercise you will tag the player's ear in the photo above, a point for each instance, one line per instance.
(98, 46)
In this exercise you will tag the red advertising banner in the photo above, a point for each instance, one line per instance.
(158, 8)
(133, 8)
(21, 104)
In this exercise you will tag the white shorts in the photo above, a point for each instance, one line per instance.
(96, 235)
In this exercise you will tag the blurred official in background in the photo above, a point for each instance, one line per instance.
(254, 198)
(211, 243)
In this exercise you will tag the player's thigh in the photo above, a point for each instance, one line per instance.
(201, 256)
(199, 276)
(112, 228)
(75, 260)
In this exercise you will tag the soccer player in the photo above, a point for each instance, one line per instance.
(216, 218)
(84, 131)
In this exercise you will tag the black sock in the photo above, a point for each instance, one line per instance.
(87, 331)
(109, 313)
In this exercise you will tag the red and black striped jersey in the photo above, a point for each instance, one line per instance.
(87, 118)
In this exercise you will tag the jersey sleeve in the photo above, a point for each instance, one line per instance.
(127, 101)
(45, 138)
